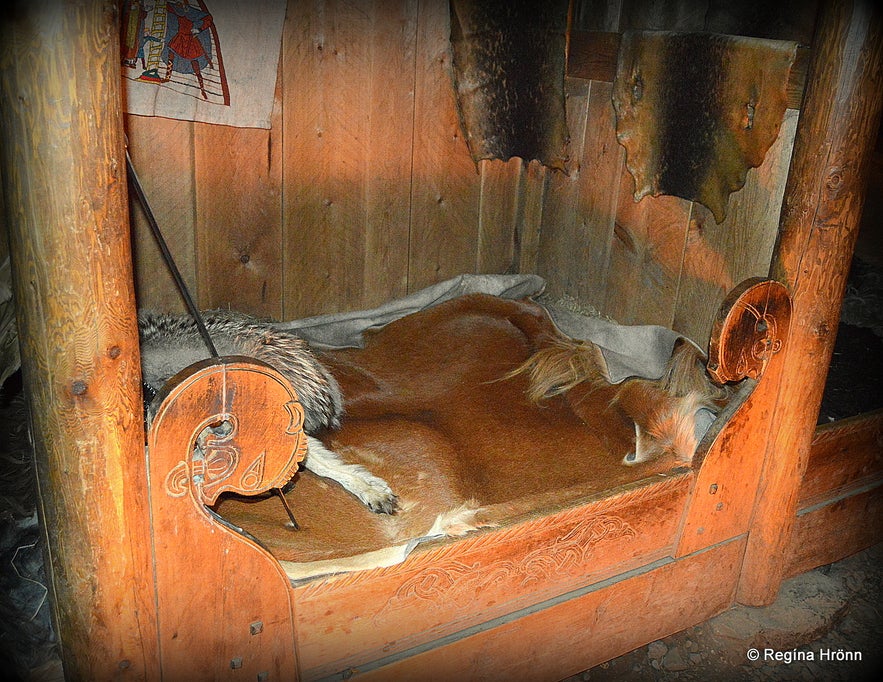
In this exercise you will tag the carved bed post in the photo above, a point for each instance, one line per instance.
(820, 217)
(64, 177)
(747, 342)
(224, 602)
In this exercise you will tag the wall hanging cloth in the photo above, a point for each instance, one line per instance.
(508, 69)
(213, 61)
(695, 111)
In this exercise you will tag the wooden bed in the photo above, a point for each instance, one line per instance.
(147, 583)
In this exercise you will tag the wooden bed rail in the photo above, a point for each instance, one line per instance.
(223, 425)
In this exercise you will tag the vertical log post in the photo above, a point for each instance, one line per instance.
(819, 223)
(64, 177)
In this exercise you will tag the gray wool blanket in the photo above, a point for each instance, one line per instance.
(628, 350)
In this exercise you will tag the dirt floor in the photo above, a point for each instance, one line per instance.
(825, 625)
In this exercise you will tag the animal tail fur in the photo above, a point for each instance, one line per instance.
(558, 367)
(685, 373)
(459, 521)
(672, 430)
(664, 423)
(565, 363)
(663, 410)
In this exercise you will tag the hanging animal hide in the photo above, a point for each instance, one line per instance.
(508, 63)
(696, 111)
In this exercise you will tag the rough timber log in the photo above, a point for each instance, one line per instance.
(819, 223)
(65, 196)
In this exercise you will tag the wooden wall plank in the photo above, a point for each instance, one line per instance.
(656, 15)
(788, 20)
(531, 195)
(239, 216)
(719, 256)
(561, 240)
(579, 221)
(595, 15)
(646, 255)
(446, 184)
(323, 157)
(162, 154)
(593, 55)
(391, 132)
(497, 215)
(4, 228)
(347, 137)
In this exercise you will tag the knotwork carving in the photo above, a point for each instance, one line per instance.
(460, 582)
(751, 327)
(243, 425)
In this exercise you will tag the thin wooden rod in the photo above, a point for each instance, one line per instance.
(168, 258)
(64, 175)
(821, 211)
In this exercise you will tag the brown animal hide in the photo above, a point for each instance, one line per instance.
(696, 111)
(508, 67)
(434, 405)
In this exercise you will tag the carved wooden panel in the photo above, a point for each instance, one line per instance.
(751, 327)
(450, 586)
(228, 424)
(582, 630)
(746, 343)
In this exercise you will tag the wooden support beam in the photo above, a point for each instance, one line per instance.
(64, 175)
(818, 226)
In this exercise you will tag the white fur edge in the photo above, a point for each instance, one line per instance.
(458, 521)
(455, 522)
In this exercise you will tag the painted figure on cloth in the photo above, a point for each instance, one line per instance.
(176, 43)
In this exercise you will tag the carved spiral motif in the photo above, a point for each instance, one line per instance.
(177, 480)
